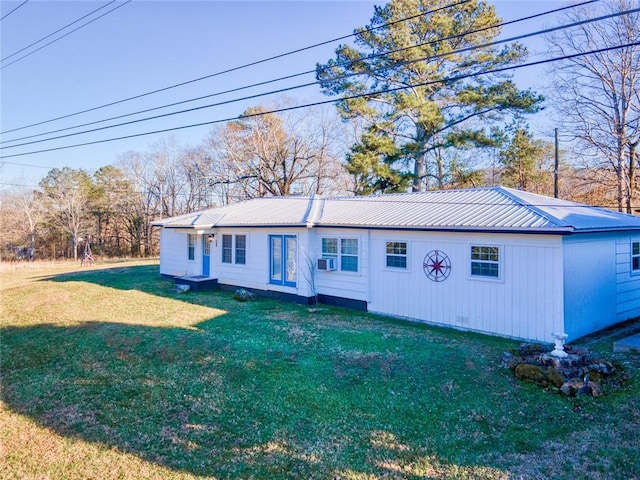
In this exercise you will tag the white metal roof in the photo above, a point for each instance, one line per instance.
(267, 211)
(480, 209)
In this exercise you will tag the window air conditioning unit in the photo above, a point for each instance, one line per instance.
(327, 264)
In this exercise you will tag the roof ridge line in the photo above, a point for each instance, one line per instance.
(557, 222)
(310, 216)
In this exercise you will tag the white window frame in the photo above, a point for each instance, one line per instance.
(192, 242)
(234, 249)
(634, 256)
(405, 255)
(338, 255)
(499, 262)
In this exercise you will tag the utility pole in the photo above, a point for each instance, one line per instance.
(556, 166)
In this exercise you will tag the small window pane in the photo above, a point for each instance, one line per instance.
(241, 249)
(635, 256)
(394, 261)
(349, 246)
(227, 242)
(276, 258)
(397, 248)
(329, 246)
(292, 262)
(485, 261)
(191, 240)
(484, 269)
(397, 254)
(349, 264)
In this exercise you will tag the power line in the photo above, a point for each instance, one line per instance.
(25, 165)
(57, 31)
(69, 33)
(6, 15)
(325, 102)
(386, 198)
(295, 87)
(240, 67)
(287, 77)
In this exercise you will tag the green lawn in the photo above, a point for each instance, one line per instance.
(108, 374)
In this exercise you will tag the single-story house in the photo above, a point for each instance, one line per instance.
(493, 260)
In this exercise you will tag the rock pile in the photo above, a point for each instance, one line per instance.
(243, 295)
(579, 373)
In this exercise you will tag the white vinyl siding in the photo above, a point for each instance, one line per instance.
(174, 256)
(350, 285)
(627, 280)
(524, 305)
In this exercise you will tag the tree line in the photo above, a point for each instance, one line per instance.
(421, 104)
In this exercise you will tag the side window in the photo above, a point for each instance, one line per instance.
(396, 254)
(344, 250)
(349, 254)
(485, 261)
(241, 249)
(635, 257)
(330, 248)
(227, 248)
(191, 249)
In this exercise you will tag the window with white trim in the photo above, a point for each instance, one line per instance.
(227, 248)
(330, 248)
(396, 255)
(241, 249)
(635, 257)
(344, 250)
(234, 249)
(191, 246)
(485, 261)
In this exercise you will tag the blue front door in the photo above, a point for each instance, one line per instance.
(206, 256)
(283, 257)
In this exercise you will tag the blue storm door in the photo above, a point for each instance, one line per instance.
(283, 259)
(206, 256)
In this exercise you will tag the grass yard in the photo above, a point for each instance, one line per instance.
(106, 374)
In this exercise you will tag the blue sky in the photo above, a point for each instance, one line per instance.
(148, 45)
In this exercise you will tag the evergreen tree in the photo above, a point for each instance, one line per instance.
(420, 87)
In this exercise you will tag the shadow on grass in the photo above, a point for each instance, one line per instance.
(194, 402)
(145, 278)
(263, 391)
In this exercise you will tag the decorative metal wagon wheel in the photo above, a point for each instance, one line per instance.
(436, 265)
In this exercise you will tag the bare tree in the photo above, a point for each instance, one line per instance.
(66, 198)
(21, 216)
(264, 154)
(30, 211)
(144, 204)
(596, 94)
